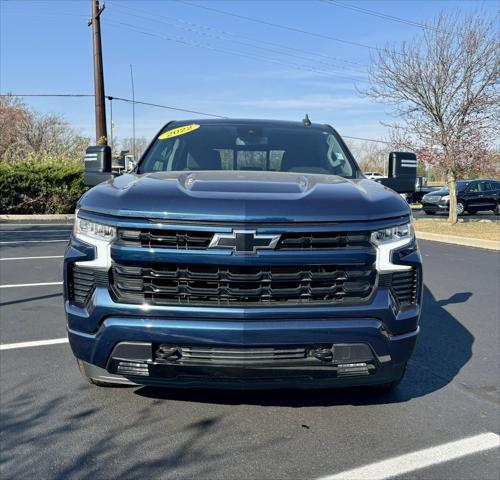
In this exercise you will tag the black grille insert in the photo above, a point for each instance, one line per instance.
(228, 356)
(82, 282)
(169, 284)
(323, 240)
(176, 239)
(403, 285)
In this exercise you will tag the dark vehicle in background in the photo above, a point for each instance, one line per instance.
(244, 254)
(472, 196)
(421, 189)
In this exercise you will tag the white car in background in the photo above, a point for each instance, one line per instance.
(374, 175)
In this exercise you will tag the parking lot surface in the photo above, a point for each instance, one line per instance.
(54, 425)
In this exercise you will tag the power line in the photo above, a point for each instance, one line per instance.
(109, 97)
(207, 46)
(366, 139)
(168, 20)
(128, 100)
(278, 25)
(46, 95)
(239, 53)
(374, 13)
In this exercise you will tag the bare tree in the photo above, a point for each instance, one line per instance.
(442, 86)
(371, 156)
(25, 132)
(127, 143)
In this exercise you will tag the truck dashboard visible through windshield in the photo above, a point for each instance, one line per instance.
(249, 146)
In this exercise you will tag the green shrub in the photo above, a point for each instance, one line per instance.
(41, 185)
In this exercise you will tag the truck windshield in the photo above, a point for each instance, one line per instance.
(248, 147)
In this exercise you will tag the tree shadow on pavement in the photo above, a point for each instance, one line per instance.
(75, 435)
(444, 346)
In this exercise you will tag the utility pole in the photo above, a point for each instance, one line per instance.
(100, 106)
(133, 110)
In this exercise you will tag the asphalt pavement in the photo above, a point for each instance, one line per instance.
(54, 425)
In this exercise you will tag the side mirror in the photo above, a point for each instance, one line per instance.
(97, 165)
(402, 172)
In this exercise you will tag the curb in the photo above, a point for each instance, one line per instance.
(464, 241)
(41, 218)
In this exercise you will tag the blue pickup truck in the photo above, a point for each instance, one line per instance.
(243, 254)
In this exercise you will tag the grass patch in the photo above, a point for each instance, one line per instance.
(482, 230)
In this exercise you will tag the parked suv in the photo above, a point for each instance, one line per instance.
(472, 196)
(243, 253)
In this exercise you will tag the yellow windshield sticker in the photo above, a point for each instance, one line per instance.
(179, 131)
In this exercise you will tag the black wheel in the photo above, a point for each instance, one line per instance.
(429, 212)
(387, 387)
(497, 209)
(460, 208)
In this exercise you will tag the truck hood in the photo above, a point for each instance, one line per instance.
(244, 196)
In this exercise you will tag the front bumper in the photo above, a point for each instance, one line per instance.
(387, 330)
(389, 353)
(390, 336)
(435, 207)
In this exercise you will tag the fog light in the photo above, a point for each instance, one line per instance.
(345, 369)
(132, 368)
(352, 352)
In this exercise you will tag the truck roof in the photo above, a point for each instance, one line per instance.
(247, 121)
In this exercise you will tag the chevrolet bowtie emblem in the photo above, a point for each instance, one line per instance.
(244, 241)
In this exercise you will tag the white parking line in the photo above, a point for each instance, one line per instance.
(420, 459)
(35, 225)
(17, 285)
(37, 343)
(30, 258)
(36, 231)
(34, 241)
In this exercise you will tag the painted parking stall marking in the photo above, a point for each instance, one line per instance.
(44, 257)
(36, 343)
(19, 285)
(427, 457)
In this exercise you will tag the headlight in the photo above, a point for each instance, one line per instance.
(85, 229)
(393, 234)
(445, 198)
(388, 240)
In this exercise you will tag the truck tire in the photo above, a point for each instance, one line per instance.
(497, 209)
(460, 208)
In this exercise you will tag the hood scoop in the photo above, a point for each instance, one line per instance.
(244, 182)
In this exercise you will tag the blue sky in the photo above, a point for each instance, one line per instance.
(202, 60)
